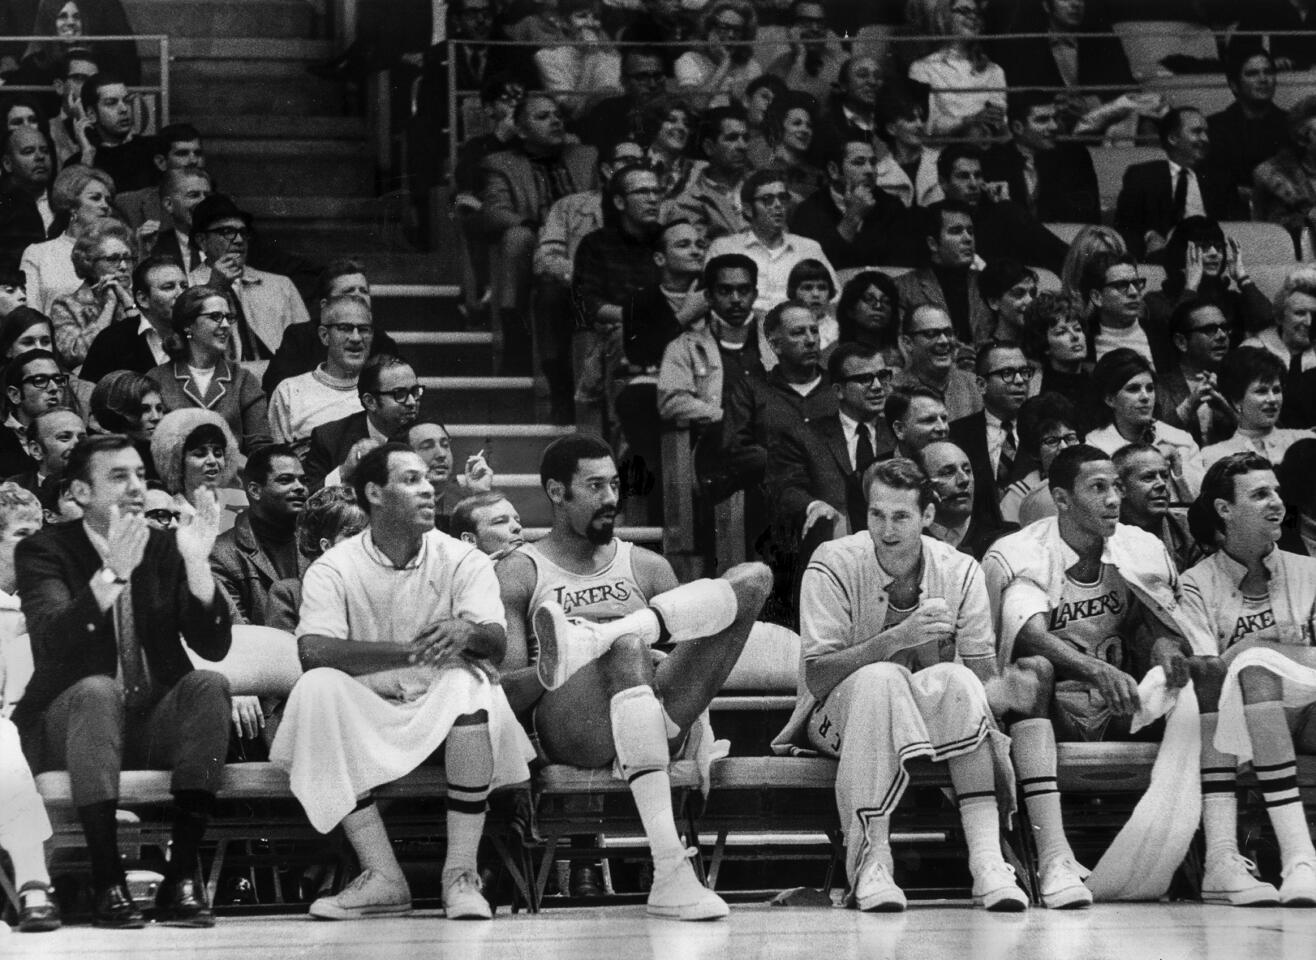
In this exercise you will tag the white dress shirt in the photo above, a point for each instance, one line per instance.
(774, 263)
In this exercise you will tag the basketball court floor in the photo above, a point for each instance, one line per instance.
(941, 930)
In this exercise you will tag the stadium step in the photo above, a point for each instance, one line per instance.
(291, 167)
(510, 448)
(477, 399)
(291, 19)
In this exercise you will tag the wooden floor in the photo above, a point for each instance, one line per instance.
(760, 932)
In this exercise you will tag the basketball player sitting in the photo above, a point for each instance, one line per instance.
(561, 592)
(1249, 595)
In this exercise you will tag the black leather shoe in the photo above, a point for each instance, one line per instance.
(115, 908)
(182, 903)
(37, 914)
(586, 881)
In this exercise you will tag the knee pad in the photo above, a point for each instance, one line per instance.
(639, 731)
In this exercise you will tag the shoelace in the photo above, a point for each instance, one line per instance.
(359, 881)
(465, 879)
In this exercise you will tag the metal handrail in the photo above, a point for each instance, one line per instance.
(162, 88)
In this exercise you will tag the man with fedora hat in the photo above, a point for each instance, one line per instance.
(266, 304)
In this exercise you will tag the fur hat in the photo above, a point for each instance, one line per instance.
(169, 445)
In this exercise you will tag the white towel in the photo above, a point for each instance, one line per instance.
(1231, 735)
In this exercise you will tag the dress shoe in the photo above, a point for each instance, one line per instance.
(182, 903)
(586, 881)
(115, 908)
(37, 910)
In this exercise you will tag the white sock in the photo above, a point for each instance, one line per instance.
(1276, 770)
(468, 765)
(1219, 799)
(29, 859)
(1033, 749)
(365, 831)
(877, 831)
(640, 736)
(982, 831)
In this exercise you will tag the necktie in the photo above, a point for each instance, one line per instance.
(864, 455)
(1008, 451)
(132, 665)
(1180, 194)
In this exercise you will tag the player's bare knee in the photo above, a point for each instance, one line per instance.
(1259, 685)
(1044, 672)
(628, 662)
(1208, 676)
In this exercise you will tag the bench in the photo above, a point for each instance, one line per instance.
(280, 816)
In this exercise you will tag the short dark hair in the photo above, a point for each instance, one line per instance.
(462, 518)
(1041, 413)
(33, 430)
(79, 465)
(898, 403)
(711, 127)
(373, 468)
(846, 351)
(85, 54)
(1204, 523)
(91, 88)
(175, 133)
(1069, 461)
(373, 372)
(952, 154)
(832, 147)
(900, 473)
(1094, 273)
(729, 261)
(260, 462)
(930, 223)
(1184, 310)
(14, 371)
(1241, 50)
(770, 80)
(1002, 273)
(142, 272)
(809, 271)
(1243, 367)
(1115, 369)
(1020, 103)
(341, 267)
(756, 181)
(562, 457)
(1172, 123)
(988, 347)
(1295, 472)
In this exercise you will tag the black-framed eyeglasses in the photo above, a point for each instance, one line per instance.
(43, 380)
(771, 199)
(402, 394)
(1134, 284)
(231, 233)
(1209, 329)
(882, 376)
(162, 516)
(218, 317)
(1009, 374)
(347, 329)
(1065, 440)
(931, 336)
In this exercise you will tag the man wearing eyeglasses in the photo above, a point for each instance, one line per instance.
(1186, 394)
(267, 303)
(927, 339)
(1113, 291)
(774, 250)
(643, 79)
(34, 383)
(390, 397)
(815, 472)
(329, 392)
(990, 437)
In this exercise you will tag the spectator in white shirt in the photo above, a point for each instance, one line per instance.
(329, 392)
(967, 90)
(775, 251)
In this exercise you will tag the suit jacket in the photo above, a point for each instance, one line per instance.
(118, 347)
(512, 194)
(1101, 62)
(139, 206)
(330, 444)
(270, 302)
(648, 325)
(20, 224)
(884, 238)
(970, 435)
(1146, 201)
(1007, 229)
(921, 286)
(814, 464)
(301, 352)
(1238, 144)
(1066, 182)
(73, 639)
(760, 408)
(243, 570)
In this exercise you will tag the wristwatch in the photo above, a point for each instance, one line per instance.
(110, 578)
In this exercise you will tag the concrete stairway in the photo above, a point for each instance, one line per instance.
(296, 151)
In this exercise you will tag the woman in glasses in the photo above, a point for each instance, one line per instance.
(103, 259)
(201, 374)
(868, 312)
(1126, 384)
(1201, 262)
(194, 448)
(129, 403)
(79, 197)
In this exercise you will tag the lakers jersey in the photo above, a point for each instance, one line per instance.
(606, 594)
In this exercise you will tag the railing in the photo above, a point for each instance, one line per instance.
(146, 119)
(882, 42)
